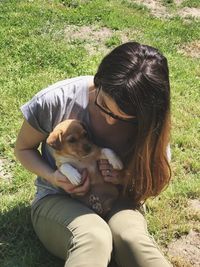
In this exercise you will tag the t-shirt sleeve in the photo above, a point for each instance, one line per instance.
(44, 111)
(56, 103)
(38, 113)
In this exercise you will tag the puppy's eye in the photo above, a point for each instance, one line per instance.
(71, 139)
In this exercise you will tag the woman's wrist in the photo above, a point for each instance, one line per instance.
(50, 176)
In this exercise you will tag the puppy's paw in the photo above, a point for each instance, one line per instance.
(71, 173)
(112, 158)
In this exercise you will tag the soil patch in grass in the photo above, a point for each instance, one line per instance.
(192, 49)
(97, 39)
(157, 9)
(185, 251)
(194, 205)
(189, 12)
(4, 169)
(178, 2)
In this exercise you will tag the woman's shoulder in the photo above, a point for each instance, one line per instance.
(56, 102)
(68, 87)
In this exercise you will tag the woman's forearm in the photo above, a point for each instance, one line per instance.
(31, 159)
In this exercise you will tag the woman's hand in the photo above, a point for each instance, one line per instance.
(61, 181)
(109, 174)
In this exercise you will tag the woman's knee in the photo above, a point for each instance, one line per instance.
(93, 232)
(125, 220)
(92, 242)
(128, 227)
(132, 243)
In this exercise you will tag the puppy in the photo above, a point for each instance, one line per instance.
(72, 150)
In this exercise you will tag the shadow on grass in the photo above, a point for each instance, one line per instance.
(19, 246)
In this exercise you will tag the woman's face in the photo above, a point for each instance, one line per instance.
(110, 110)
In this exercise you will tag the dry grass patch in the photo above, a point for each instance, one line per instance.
(194, 205)
(189, 12)
(157, 9)
(96, 39)
(185, 251)
(87, 33)
(4, 169)
(192, 49)
(178, 2)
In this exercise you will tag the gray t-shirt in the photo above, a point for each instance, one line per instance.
(63, 100)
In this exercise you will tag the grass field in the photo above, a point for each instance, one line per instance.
(41, 43)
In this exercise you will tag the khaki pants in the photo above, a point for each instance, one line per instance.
(74, 233)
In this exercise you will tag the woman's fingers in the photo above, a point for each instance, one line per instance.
(61, 181)
(102, 161)
(79, 190)
(104, 167)
(109, 174)
(83, 188)
(65, 184)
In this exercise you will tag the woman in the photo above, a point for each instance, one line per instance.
(126, 107)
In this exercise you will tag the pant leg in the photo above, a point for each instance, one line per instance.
(72, 232)
(133, 246)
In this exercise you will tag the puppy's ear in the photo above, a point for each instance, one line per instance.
(55, 139)
(83, 125)
(88, 134)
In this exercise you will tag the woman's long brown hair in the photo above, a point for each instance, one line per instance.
(148, 171)
(137, 78)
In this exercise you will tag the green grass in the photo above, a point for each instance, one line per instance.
(35, 52)
(184, 3)
(191, 3)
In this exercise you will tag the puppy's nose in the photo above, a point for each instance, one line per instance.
(87, 148)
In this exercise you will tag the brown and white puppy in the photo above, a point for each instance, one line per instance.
(72, 150)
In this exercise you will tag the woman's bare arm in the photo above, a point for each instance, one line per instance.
(26, 151)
